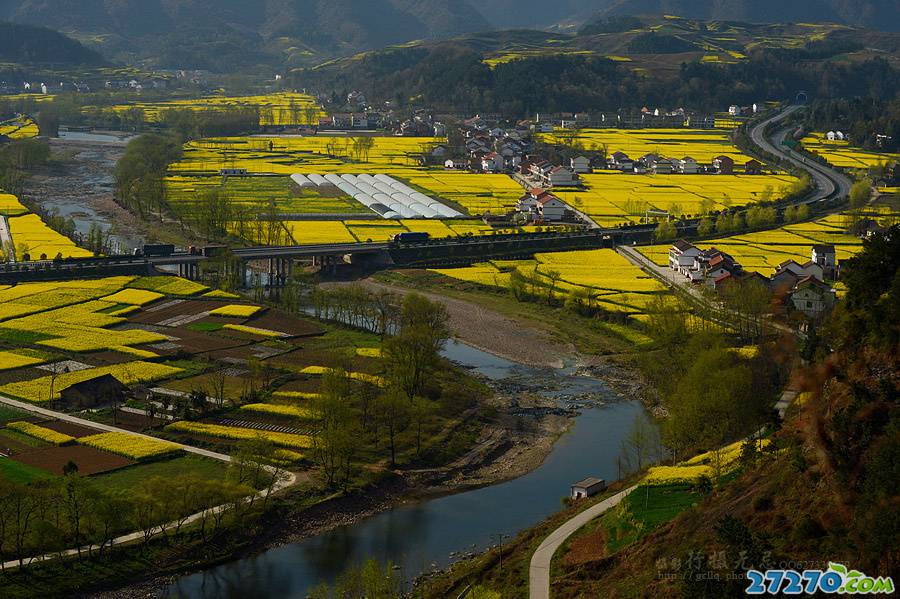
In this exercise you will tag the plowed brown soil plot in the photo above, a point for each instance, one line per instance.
(169, 310)
(89, 460)
(282, 322)
(310, 385)
(136, 422)
(69, 428)
(197, 342)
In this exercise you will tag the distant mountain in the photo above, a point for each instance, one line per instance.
(225, 35)
(877, 14)
(25, 44)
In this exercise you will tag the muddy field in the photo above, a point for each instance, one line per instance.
(89, 460)
(69, 428)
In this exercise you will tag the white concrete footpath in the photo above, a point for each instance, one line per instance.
(6, 240)
(539, 571)
(288, 479)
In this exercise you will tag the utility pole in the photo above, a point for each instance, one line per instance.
(499, 537)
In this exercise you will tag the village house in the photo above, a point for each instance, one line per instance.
(688, 166)
(456, 164)
(681, 257)
(723, 165)
(621, 161)
(812, 297)
(493, 163)
(551, 208)
(99, 391)
(560, 176)
(825, 256)
(587, 488)
(541, 205)
(581, 165)
(663, 166)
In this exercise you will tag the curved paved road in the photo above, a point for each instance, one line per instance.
(539, 572)
(829, 182)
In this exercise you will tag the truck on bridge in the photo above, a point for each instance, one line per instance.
(410, 237)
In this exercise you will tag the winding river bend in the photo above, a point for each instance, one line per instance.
(421, 536)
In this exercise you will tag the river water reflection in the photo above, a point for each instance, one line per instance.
(420, 536)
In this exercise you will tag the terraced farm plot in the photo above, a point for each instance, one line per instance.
(840, 153)
(259, 195)
(765, 250)
(10, 205)
(19, 128)
(612, 199)
(615, 284)
(279, 109)
(702, 145)
(32, 236)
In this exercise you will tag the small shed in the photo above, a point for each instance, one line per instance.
(588, 487)
(102, 390)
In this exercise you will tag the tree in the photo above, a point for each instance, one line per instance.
(706, 227)
(860, 193)
(665, 231)
(641, 446)
(706, 410)
(553, 277)
(415, 350)
(337, 441)
(394, 413)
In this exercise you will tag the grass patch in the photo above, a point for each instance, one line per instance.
(205, 327)
(127, 478)
(7, 413)
(19, 337)
(22, 438)
(20, 474)
(644, 510)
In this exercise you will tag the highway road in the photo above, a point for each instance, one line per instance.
(829, 182)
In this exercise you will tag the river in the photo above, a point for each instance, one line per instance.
(420, 537)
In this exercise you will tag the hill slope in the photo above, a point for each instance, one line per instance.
(878, 14)
(25, 44)
(227, 34)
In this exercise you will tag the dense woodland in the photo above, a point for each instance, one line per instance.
(450, 76)
(871, 123)
(29, 44)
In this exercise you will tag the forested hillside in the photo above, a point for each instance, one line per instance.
(878, 14)
(27, 44)
(226, 34)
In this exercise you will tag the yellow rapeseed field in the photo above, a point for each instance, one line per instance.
(840, 153)
(240, 434)
(32, 236)
(280, 109)
(236, 310)
(130, 446)
(129, 373)
(42, 433)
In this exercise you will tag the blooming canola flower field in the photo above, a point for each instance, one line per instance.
(278, 109)
(765, 250)
(21, 127)
(839, 152)
(609, 198)
(616, 284)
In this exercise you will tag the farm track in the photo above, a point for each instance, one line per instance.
(289, 479)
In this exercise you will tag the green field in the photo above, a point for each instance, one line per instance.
(7, 414)
(647, 508)
(20, 474)
(127, 478)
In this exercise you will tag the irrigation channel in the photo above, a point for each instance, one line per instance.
(420, 537)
